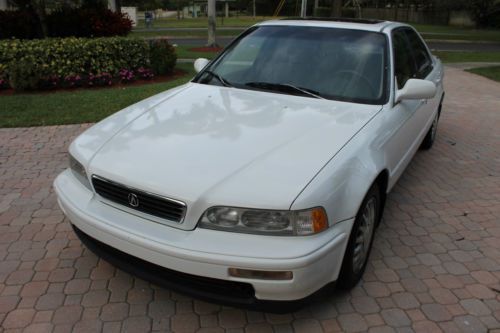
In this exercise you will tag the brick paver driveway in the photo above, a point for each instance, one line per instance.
(435, 264)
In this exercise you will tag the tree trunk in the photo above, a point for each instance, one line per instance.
(316, 5)
(336, 8)
(212, 23)
(42, 17)
(3, 4)
(396, 8)
(253, 8)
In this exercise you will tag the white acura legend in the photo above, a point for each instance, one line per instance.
(263, 178)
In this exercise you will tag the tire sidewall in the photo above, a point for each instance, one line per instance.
(348, 278)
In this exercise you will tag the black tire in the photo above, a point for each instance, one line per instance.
(430, 137)
(351, 270)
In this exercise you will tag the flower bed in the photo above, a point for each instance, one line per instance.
(81, 62)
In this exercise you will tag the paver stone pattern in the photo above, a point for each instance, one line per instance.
(435, 265)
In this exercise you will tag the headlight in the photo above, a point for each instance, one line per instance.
(272, 222)
(79, 171)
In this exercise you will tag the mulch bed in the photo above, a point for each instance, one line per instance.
(157, 79)
(206, 49)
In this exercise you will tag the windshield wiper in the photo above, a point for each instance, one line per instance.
(284, 87)
(219, 78)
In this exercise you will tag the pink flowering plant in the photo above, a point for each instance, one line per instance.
(81, 62)
(100, 80)
(126, 75)
(73, 81)
(4, 84)
(145, 73)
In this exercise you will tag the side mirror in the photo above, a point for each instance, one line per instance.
(416, 89)
(200, 63)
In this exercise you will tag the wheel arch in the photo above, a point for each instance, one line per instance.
(382, 180)
(440, 107)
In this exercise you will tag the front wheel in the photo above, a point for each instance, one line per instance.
(360, 240)
(431, 135)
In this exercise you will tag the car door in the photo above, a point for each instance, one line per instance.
(425, 70)
(405, 119)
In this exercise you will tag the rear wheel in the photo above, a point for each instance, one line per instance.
(361, 239)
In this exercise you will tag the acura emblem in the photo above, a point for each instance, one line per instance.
(133, 200)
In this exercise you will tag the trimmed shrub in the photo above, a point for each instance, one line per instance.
(24, 75)
(163, 56)
(76, 62)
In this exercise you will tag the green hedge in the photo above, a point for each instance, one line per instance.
(34, 64)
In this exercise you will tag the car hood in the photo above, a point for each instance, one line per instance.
(209, 145)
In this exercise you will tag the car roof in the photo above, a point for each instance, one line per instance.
(341, 23)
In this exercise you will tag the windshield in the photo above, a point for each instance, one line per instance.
(338, 64)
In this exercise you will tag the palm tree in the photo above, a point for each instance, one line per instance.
(211, 23)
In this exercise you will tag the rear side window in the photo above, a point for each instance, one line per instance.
(403, 60)
(422, 57)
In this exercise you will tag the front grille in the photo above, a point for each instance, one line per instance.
(132, 198)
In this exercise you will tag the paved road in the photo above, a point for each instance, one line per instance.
(435, 265)
(435, 45)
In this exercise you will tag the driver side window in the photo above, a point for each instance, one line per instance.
(404, 65)
(422, 58)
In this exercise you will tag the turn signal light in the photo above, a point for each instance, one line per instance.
(319, 220)
(260, 275)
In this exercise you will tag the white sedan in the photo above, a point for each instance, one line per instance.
(265, 177)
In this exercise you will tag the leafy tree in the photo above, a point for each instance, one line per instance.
(480, 10)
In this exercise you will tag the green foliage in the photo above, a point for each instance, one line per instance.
(162, 56)
(323, 12)
(80, 105)
(486, 13)
(24, 75)
(51, 61)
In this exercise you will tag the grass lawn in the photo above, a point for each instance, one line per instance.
(457, 33)
(79, 106)
(201, 22)
(489, 72)
(447, 56)
(183, 33)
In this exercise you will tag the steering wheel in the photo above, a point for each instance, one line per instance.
(360, 78)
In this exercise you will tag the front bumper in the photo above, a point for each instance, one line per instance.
(314, 260)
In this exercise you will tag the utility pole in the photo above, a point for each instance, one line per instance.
(316, 5)
(303, 9)
(211, 23)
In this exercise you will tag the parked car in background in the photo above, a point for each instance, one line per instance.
(263, 178)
